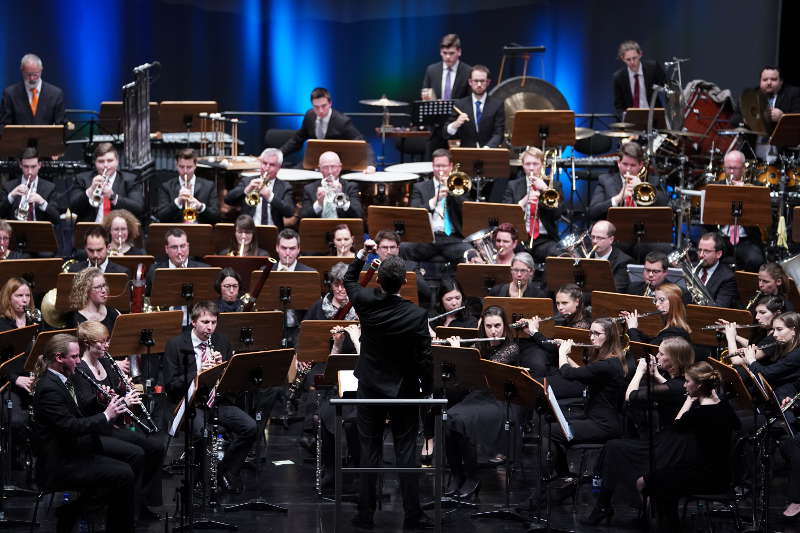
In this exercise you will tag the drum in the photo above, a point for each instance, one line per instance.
(419, 167)
(766, 174)
(705, 116)
(384, 188)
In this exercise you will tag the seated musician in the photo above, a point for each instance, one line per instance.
(522, 285)
(88, 300)
(272, 192)
(229, 287)
(478, 120)
(444, 211)
(668, 300)
(450, 296)
(773, 281)
(326, 307)
(5, 243)
(541, 220)
(656, 268)
(324, 122)
(633, 83)
(288, 248)
(97, 365)
(97, 193)
(96, 245)
(342, 245)
(176, 247)
(331, 196)
(718, 278)
(766, 309)
(39, 195)
(67, 444)
(124, 229)
(186, 197)
(602, 236)
(389, 245)
(201, 348)
(506, 243)
(245, 239)
(476, 417)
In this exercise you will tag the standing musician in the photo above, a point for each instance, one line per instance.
(521, 286)
(275, 196)
(719, 279)
(765, 311)
(331, 196)
(445, 212)
(245, 239)
(202, 348)
(541, 220)
(229, 287)
(88, 300)
(633, 83)
(124, 229)
(781, 99)
(602, 235)
(67, 442)
(187, 198)
(478, 120)
(33, 101)
(5, 243)
(668, 300)
(96, 194)
(96, 243)
(394, 362)
(39, 195)
(97, 365)
(656, 268)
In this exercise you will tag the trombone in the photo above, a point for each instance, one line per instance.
(189, 213)
(644, 194)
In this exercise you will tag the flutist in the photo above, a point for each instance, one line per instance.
(97, 193)
(668, 302)
(28, 197)
(522, 284)
(187, 192)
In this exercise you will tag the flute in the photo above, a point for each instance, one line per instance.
(437, 317)
(465, 341)
(108, 397)
(519, 324)
(715, 327)
(621, 319)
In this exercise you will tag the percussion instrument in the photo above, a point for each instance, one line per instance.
(419, 167)
(385, 188)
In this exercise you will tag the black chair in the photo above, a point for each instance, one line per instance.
(275, 138)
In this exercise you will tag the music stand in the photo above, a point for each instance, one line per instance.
(110, 117)
(318, 233)
(241, 265)
(260, 330)
(177, 116)
(478, 280)
(638, 117)
(444, 332)
(482, 215)
(183, 286)
(733, 384)
(580, 336)
(636, 225)
(699, 316)
(41, 274)
(482, 163)
(132, 261)
(118, 294)
(407, 291)
(199, 237)
(48, 140)
(543, 128)
(412, 224)
(38, 346)
(353, 154)
(323, 265)
(518, 308)
(609, 304)
(786, 132)
(302, 287)
(731, 205)
(32, 236)
(314, 340)
(16, 341)
(267, 236)
(431, 112)
(747, 283)
(588, 274)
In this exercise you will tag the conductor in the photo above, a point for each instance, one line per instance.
(395, 361)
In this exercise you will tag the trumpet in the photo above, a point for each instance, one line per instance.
(128, 388)
(97, 194)
(253, 198)
(189, 214)
(468, 341)
(338, 198)
(446, 313)
(24, 202)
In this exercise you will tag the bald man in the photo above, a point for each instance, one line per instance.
(331, 197)
(602, 235)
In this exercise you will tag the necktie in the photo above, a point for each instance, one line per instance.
(34, 100)
(704, 276)
(734, 234)
(203, 354)
(533, 222)
(106, 205)
(31, 211)
(71, 389)
(448, 224)
(478, 114)
(320, 134)
(636, 93)
(629, 201)
(448, 91)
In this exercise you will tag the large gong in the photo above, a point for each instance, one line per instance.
(536, 93)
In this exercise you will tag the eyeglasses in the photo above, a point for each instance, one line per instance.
(521, 270)
(595, 333)
(102, 287)
(230, 286)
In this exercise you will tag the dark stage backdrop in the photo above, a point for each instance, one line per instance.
(255, 55)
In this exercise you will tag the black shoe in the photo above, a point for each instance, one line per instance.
(598, 514)
(471, 487)
(561, 489)
(420, 522)
(363, 522)
(146, 515)
(231, 483)
(453, 485)
(309, 444)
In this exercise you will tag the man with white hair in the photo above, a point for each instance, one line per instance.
(32, 101)
(331, 197)
(275, 195)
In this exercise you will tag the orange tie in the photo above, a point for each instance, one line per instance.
(34, 100)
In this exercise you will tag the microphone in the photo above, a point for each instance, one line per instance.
(676, 61)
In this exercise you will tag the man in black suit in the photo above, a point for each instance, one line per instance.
(288, 248)
(203, 348)
(541, 221)
(331, 197)
(275, 195)
(187, 189)
(602, 235)
(720, 281)
(781, 98)
(656, 268)
(67, 443)
(394, 362)
(633, 83)
(482, 120)
(448, 77)
(32, 102)
(95, 243)
(324, 122)
(119, 189)
(176, 247)
(40, 195)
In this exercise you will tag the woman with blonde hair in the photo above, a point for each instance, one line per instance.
(88, 299)
(668, 299)
(124, 229)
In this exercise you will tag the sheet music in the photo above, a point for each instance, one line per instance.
(348, 382)
(179, 414)
(562, 420)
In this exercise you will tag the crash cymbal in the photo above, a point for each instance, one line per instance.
(755, 110)
(680, 133)
(383, 102)
(620, 134)
(621, 125)
(583, 133)
(737, 131)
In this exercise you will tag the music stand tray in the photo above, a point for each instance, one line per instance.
(477, 280)
(606, 303)
(786, 132)
(412, 224)
(482, 215)
(483, 162)
(174, 116)
(638, 117)
(353, 154)
(699, 315)
(133, 332)
(588, 274)
(183, 286)
(38, 346)
(33, 236)
(753, 202)
(199, 236)
(269, 366)
(40, 273)
(336, 362)
(314, 340)
(642, 224)
(242, 265)
(733, 383)
(48, 140)
(263, 328)
(267, 236)
(303, 287)
(444, 332)
(16, 341)
(462, 363)
(431, 112)
(542, 128)
(118, 295)
(318, 233)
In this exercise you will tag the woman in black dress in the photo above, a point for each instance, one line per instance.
(476, 417)
(245, 241)
(521, 286)
(765, 311)
(124, 230)
(15, 298)
(773, 281)
(669, 300)
(782, 369)
(449, 297)
(229, 288)
(88, 299)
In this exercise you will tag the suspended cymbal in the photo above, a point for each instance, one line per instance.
(383, 102)
(755, 110)
(620, 134)
(680, 133)
(583, 133)
(621, 125)
(737, 131)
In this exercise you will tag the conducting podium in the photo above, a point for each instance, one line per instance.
(588, 274)
(478, 280)
(353, 154)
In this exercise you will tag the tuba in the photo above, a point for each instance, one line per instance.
(483, 242)
(696, 288)
(458, 182)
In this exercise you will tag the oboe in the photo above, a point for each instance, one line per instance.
(107, 396)
(128, 388)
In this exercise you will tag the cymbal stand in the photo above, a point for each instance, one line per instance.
(681, 201)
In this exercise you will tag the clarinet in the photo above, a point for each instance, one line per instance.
(128, 388)
(107, 396)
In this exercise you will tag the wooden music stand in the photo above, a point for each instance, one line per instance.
(543, 128)
(412, 224)
(747, 283)
(199, 236)
(174, 116)
(48, 140)
(242, 265)
(183, 286)
(700, 315)
(751, 202)
(250, 371)
(261, 330)
(462, 365)
(32, 236)
(444, 332)
(303, 289)
(16, 341)
(323, 265)
(336, 362)
(267, 236)
(354, 154)
(483, 162)
(407, 291)
(482, 215)
(642, 224)
(118, 293)
(638, 117)
(38, 346)
(786, 132)
(588, 274)
(642, 349)
(40, 273)
(580, 336)
(11, 365)
(144, 332)
(132, 261)
(518, 308)
(609, 304)
(111, 117)
(733, 384)
(314, 340)
(318, 233)
(477, 280)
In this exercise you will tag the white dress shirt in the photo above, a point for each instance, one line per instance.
(643, 103)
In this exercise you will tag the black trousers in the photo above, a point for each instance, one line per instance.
(583, 430)
(791, 449)
(154, 448)
(371, 422)
(242, 429)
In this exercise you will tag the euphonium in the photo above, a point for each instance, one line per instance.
(253, 198)
(189, 214)
(458, 182)
(644, 194)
